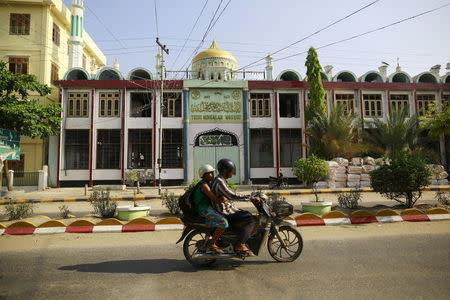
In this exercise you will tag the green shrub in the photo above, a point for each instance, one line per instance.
(64, 211)
(350, 199)
(170, 201)
(18, 211)
(403, 178)
(102, 204)
(310, 170)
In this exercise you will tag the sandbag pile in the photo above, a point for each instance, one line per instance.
(438, 175)
(344, 173)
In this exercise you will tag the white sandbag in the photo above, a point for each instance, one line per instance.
(353, 177)
(354, 184)
(442, 175)
(341, 170)
(354, 169)
(365, 183)
(339, 185)
(332, 164)
(443, 182)
(438, 169)
(368, 168)
(341, 161)
(365, 177)
(340, 177)
(434, 182)
(382, 161)
(321, 185)
(369, 161)
(356, 161)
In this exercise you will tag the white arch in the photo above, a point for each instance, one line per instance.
(345, 71)
(400, 72)
(88, 76)
(324, 76)
(286, 71)
(446, 77)
(363, 77)
(130, 74)
(417, 77)
(104, 69)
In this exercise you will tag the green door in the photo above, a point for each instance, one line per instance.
(211, 155)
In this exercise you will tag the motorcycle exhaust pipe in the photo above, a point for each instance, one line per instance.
(212, 255)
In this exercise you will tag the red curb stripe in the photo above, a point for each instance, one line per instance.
(415, 218)
(363, 220)
(20, 230)
(79, 229)
(136, 228)
(312, 222)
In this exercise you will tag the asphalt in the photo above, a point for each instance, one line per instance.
(375, 261)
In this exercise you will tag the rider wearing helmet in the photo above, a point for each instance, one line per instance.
(202, 197)
(235, 216)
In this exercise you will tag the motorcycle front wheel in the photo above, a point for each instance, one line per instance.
(293, 241)
(195, 243)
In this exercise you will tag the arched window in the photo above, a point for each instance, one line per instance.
(140, 74)
(76, 74)
(324, 76)
(447, 79)
(289, 75)
(372, 77)
(400, 77)
(109, 74)
(426, 77)
(345, 76)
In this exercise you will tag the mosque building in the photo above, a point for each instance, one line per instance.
(114, 123)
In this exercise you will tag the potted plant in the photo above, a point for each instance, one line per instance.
(309, 171)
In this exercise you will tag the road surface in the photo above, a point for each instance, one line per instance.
(374, 261)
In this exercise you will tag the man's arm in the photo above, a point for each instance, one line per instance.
(224, 190)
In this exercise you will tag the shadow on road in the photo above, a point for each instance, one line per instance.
(156, 266)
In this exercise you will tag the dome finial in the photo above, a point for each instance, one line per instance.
(214, 45)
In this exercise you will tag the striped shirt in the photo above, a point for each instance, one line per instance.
(220, 188)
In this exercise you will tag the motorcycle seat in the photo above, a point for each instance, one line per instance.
(196, 221)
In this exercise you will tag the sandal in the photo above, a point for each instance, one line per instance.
(244, 252)
(216, 249)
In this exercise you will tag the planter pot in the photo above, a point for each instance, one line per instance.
(129, 212)
(318, 208)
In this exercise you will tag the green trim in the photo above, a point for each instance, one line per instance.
(77, 26)
(71, 26)
(81, 26)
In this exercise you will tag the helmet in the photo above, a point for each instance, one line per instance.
(205, 169)
(226, 165)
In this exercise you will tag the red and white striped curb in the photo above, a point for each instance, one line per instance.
(370, 219)
(168, 227)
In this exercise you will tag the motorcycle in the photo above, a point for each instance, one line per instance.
(278, 183)
(284, 242)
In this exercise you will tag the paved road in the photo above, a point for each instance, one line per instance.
(375, 261)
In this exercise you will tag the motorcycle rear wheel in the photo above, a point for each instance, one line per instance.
(195, 243)
(294, 244)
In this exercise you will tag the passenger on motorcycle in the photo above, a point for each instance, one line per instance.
(203, 197)
(242, 219)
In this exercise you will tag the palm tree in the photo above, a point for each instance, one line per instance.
(398, 132)
(335, 135)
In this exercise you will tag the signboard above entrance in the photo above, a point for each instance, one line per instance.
(9, 145)
(216, 106)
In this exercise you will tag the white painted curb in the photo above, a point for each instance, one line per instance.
(159, 227)
(389, 219)
(337, 221)
(48, 230)
(107, 228)
(437, 217)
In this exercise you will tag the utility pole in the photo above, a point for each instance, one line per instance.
(162, 49)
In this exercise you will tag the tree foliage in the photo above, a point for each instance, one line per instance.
(316, 106)
(437, 119)
(404, 177)
(336, 135)
(18, 112)
(395, 134)
(310, 170)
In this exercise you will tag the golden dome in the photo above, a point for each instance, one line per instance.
(214, 52)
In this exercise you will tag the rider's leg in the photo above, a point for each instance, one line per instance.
(215, 219)
(215, 237)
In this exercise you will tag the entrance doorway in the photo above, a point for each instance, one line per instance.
(212, 146)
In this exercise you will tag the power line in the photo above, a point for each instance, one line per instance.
(190, 32)
(367, 32)
(315, 32)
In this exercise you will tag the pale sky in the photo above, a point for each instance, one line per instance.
(250, 29)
